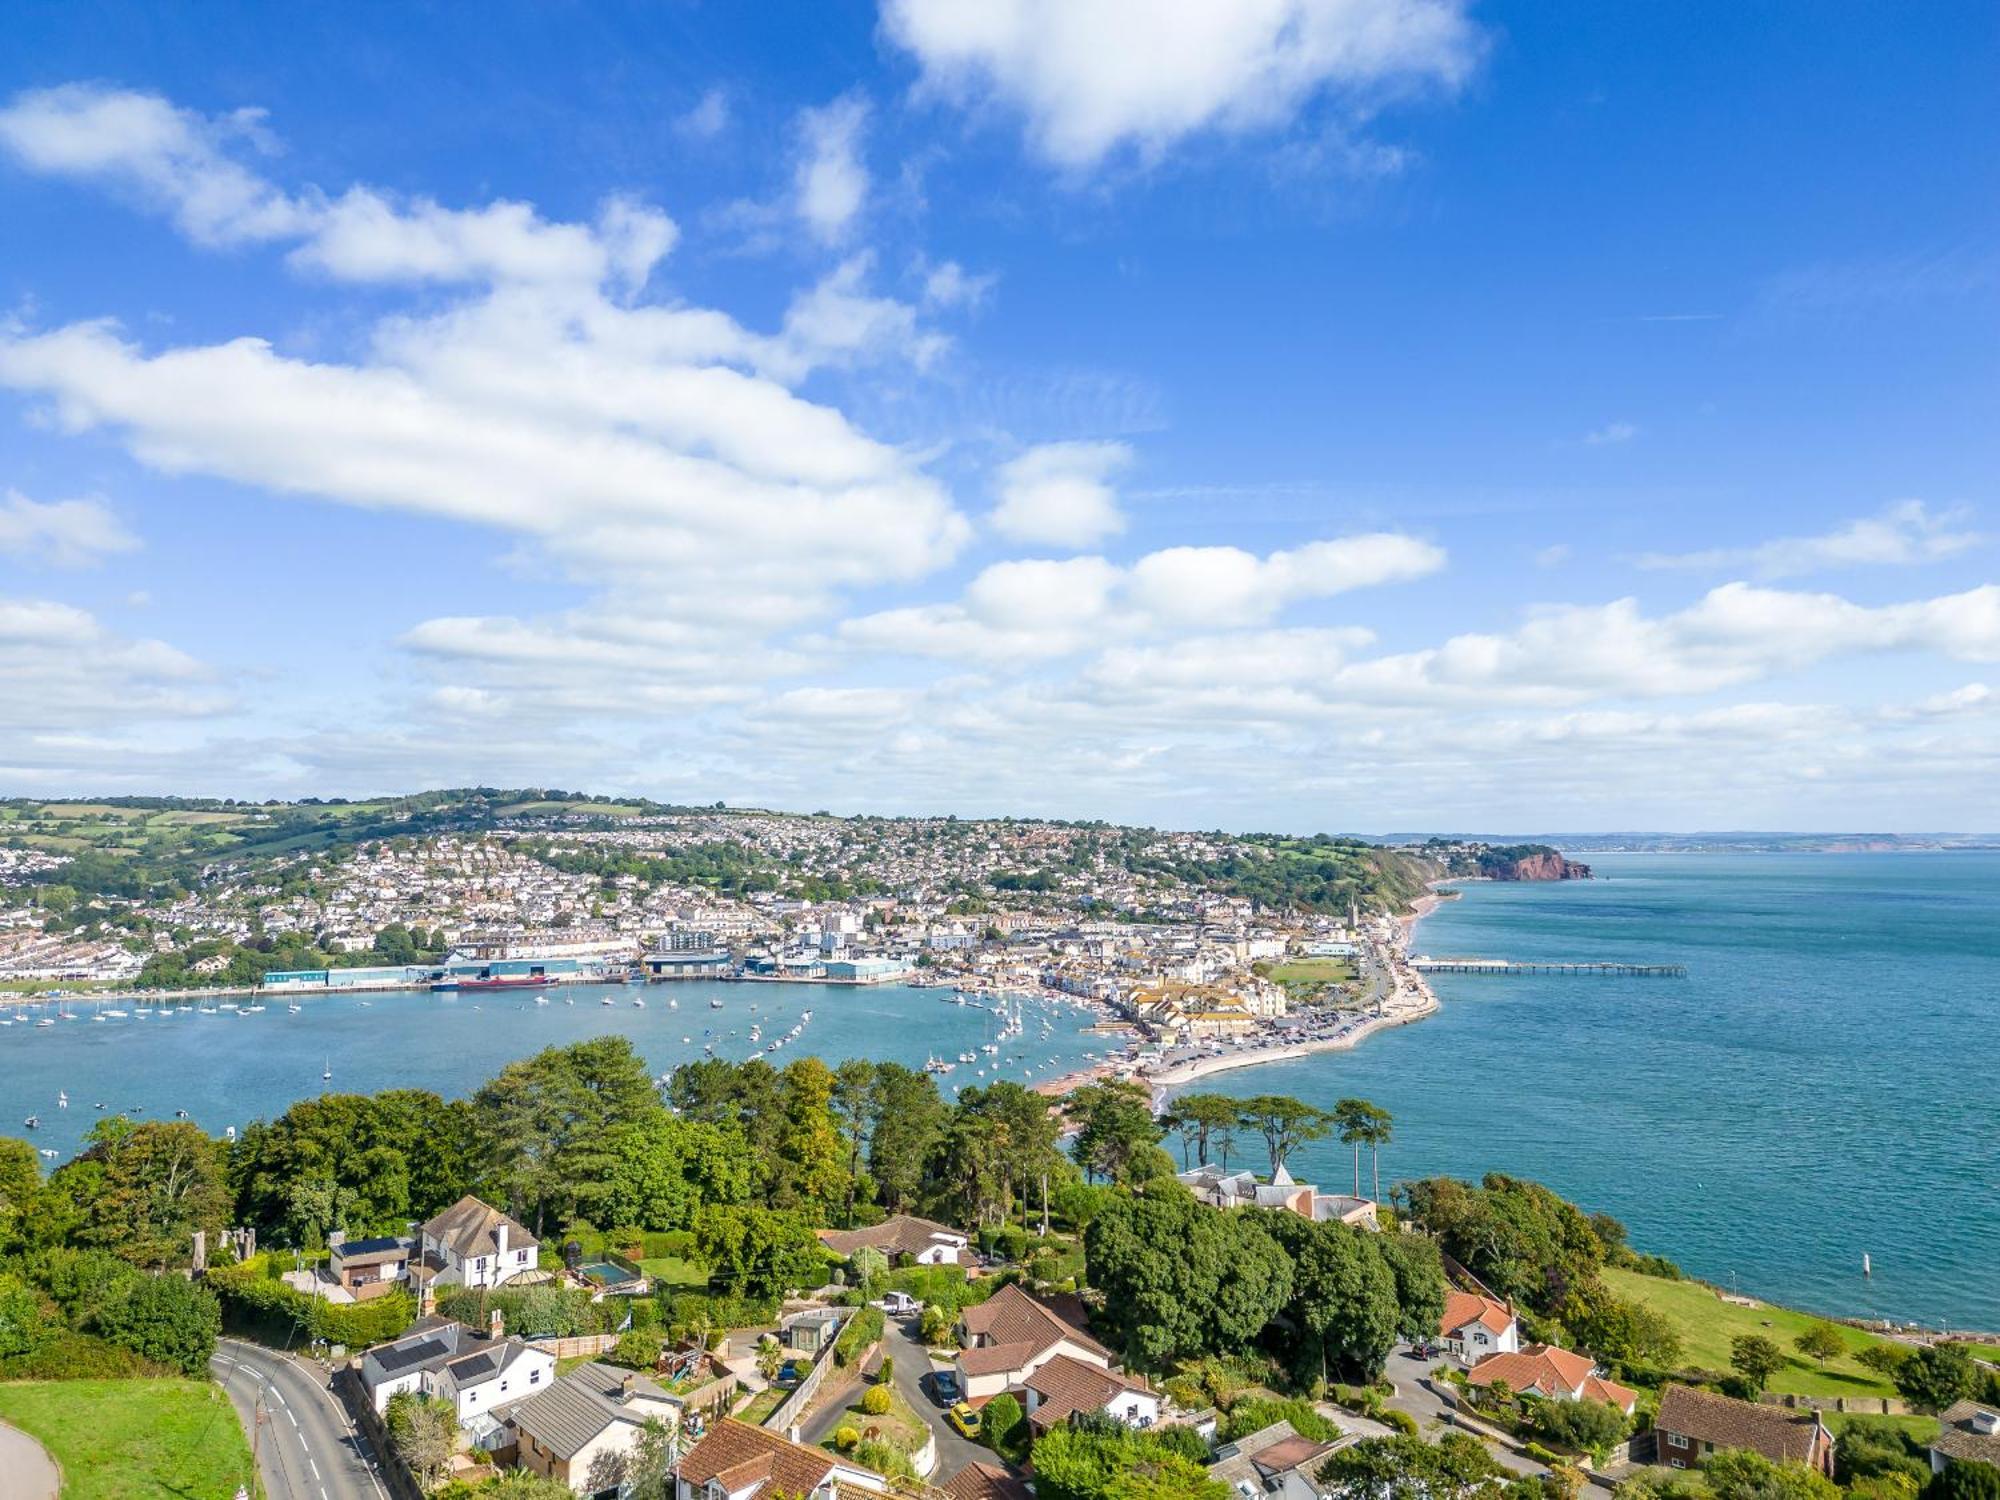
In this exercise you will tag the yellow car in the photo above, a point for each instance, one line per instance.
(965, 1419)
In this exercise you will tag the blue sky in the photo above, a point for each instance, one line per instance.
(1303, 414)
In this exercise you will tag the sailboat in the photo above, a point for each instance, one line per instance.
(327, 1071)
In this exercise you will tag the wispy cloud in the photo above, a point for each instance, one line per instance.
(64, 533)
(1907, 533)
(1609, 433)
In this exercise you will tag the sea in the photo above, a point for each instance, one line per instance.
(1823, 1086)
(228, 1067)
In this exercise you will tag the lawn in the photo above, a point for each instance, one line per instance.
(1314, 971)
(1707, 1325)
(761, 1405)
(899, 1427)
(133, 1439)
(673, 1271)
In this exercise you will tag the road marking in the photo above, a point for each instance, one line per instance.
(295, 1423)
(313, 1466)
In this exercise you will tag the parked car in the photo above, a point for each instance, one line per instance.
(965, 1420)
(944, 1387)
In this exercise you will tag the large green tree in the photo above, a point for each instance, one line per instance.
(167, 1319)
(1179, 1278)
(142, 1191)
(1113, 1120)
(555, 1123)
(1342, 1316)
(757, 1252)
(1285, 1123)
(1937, 1375)
(1456, 1467)
(667, 1169)
(906, 1132)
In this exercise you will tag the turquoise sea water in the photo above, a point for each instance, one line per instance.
(1824, 1083)
(227, 1069)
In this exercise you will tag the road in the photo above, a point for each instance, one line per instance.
(26, 1470)
(308, 1449)
(912, 1364)
(1406, 1373)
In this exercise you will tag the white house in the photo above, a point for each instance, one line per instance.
(1062, 1386)
(582, 1428)
(474, 1372)
(904, 1239)
(473, 1244)
(1011, 1335)
(1475, 1326)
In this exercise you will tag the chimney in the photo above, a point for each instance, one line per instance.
(335, 1238)
(427, 1302)
(500, 1238)
(629, 1384)
(496, 1325)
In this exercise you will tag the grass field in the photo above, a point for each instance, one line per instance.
(1707, 1325)
(671, 1270)
(899, 1427)
(1314, 971)
(134, 1439)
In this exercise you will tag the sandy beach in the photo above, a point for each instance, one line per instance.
(1409, 998)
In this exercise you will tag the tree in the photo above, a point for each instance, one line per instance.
(907, 1128)
(756, 1252)
(999, 1426)
(649, 1464)
(1363, 1124)
(1616, 1328)
(1577, 1426)
(1755, 1358)
(1456, 1467)
(1421, 1289)
(1342, 1313)
(423, 1430)
(555, 1121)
(1884, 1358)
(1960, 1480)
(870, 1266)
(1520, 1239)
(1084, 1462)
(168, 1320)
(1822, 1342)
(20, 1193)
(1285, 1123)
(854, 1107)
(144, 1190)
(1114, 1119)
(666, 1170)
(1202, 1120)
(1739, 1474)
(1179, 1278)
(1936, 1375)
(808, 1171)
(770, 1358)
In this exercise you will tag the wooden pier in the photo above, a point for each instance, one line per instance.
(1510, 966)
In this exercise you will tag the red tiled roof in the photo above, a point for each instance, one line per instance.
(982, 1481)
(1549, 1371)
(1012, 1316)
(736, 1454)
(1067, 1386)
(1461, 1308)
(1777, 1432)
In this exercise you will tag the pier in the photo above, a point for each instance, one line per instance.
(1511, 966)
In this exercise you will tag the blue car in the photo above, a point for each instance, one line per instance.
(944, 1387)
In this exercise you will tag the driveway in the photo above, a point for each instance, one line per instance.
(26, 1470)
(913, 1362)
(1405, 1371)
(308, 1448)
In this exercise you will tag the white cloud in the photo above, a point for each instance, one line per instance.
(1905, 534)
(1553, 556)
(1094, 76)
(1032, 611)
(839, 321)
(64, 533)
(60, 668)
(708, 119)
(179, 161)
(1060, 494)
(948, 284)
(1610, 434)
(830, 184)
(173, 159)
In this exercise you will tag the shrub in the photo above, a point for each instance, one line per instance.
(862, 1330)
(1254, 1415)
(638, 1350)
(846, 1439)
(167, 1320)
(1402, 1421)
(888, 1370)
(1185, 1392)
(876, 1401)
(1577, 1426)
(73, 1356)
(883, 1459)
(1002, 1426)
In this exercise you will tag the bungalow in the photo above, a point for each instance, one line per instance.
(1693, 1424)
(905, 1239)
(582, 1428)
(368, 1268)
(1064, 1386)
(1554, 1374)
(1475, 1325)
(1273, 1461)
(1010, 1335)
(472, 1244)
(738, 1462)
(1969, 1433)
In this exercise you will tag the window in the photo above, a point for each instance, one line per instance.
(1675, 1440)
(534, 1377)
(521, 1257)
